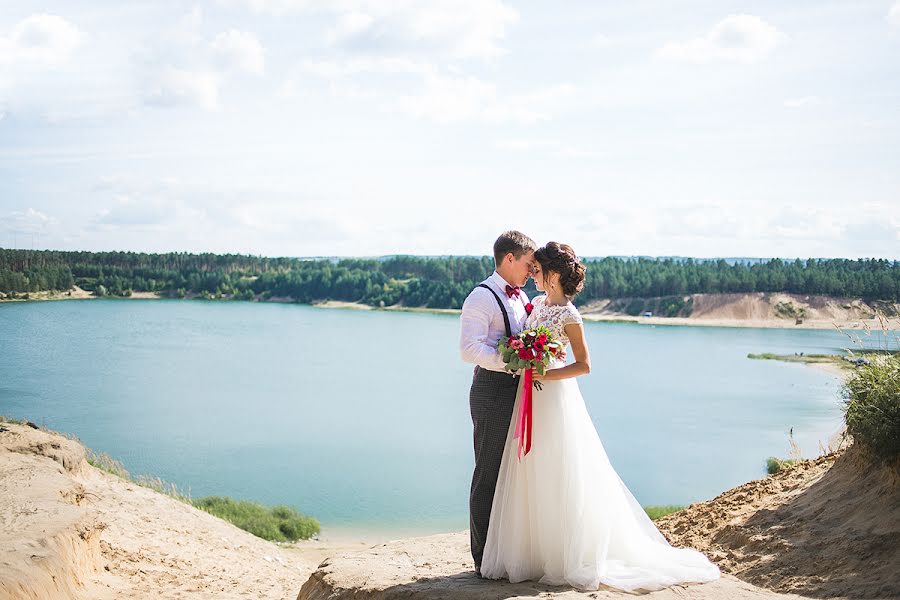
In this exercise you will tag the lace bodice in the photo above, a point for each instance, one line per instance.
(554, 317)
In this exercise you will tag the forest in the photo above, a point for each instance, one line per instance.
(414, 281)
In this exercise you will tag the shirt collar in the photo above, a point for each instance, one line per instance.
(501, 283)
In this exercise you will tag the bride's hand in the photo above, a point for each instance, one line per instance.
(538, 377)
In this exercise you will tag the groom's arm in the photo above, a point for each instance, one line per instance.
(475, 323)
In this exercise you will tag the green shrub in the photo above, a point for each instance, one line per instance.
(278, 524)
(872, 406)
(776, 465)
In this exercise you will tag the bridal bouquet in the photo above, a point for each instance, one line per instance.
(530, 349)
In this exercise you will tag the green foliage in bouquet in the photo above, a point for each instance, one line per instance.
(532, 348)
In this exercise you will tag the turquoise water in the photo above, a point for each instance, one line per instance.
(362, 418)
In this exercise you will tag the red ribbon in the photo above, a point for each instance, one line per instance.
(523, 421)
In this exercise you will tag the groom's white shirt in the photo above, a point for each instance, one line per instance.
(481, 323)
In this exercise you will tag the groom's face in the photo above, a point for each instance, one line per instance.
(522, 268)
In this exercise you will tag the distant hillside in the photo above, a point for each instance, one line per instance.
(433, 282)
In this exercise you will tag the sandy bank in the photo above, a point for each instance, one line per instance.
(827, 527)
(69, 530)
(77, 293)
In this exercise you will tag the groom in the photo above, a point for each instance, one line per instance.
(494, 309)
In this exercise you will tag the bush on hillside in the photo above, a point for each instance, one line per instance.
(872, 406)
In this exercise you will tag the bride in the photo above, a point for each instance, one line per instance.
(561, 514)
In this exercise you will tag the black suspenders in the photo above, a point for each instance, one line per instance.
(502, 309)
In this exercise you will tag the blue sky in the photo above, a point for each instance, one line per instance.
(362, 127)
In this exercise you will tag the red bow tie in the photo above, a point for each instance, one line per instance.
(512, 291)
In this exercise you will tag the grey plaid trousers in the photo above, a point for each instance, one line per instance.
(491, 401)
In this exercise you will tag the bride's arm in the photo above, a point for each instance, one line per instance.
(582, 364)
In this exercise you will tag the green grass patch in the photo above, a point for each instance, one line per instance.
(105, 462)
(793, 357)
(279, 523)
(657, 512)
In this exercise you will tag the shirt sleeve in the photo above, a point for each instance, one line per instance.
(475, 323)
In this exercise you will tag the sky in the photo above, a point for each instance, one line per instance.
(375, 127)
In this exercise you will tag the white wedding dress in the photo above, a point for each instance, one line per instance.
(562, 515)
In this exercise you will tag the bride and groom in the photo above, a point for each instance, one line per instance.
(560, 514)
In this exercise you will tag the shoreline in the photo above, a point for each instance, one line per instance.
(855, 324)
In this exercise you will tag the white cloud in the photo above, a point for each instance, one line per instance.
(736, 38)
(276, 7)
(442, 95)
(457, 28)
(37, 45)
(599, 41)
(349, 25)
(802, 101)
(27, 221)
(525, 144)
(131, 211)
(238, 50)
(452, 98)
(181, 67)
(171, 86)
(40, 40)
(893, 15)
(448, 99)
(336, 69)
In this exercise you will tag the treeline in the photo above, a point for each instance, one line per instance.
(440, 282)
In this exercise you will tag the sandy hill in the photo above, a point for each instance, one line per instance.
(826, 528)
(753, 310)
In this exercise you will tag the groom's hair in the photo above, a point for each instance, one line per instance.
(512, 241)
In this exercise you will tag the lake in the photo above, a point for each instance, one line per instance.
(361, 418)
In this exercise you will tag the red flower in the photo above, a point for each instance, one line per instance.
(539, 346)
(524, 354)
(528, 308)
(542, 338)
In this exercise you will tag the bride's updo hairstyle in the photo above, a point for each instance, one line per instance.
(560, 258)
